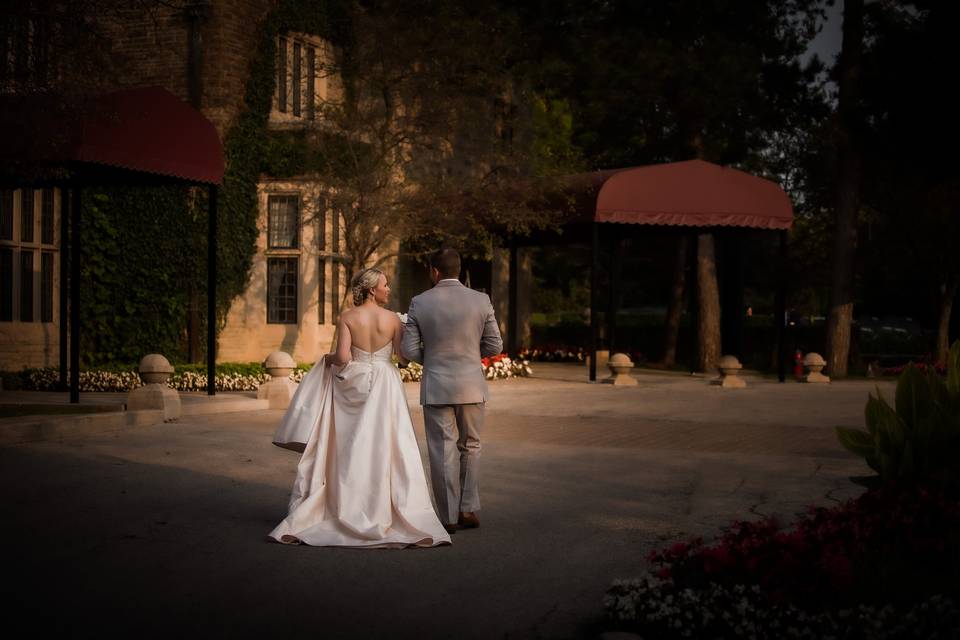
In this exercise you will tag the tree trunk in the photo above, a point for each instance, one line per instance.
(708, 296)
(943, 328)
(675, 304)
(848, 191)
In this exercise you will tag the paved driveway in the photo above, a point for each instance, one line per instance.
(162, 530)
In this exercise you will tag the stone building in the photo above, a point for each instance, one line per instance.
(202, 53)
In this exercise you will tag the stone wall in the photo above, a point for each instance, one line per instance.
(247, 336)
(152, 48)
(231, 37)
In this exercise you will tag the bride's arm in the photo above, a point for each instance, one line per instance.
(397, 339)
(341, 355)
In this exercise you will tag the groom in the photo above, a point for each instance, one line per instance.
(448, 329)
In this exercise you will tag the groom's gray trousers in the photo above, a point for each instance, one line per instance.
(453, 444)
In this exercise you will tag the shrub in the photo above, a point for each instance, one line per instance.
(889, 545)
(917, 440)
(886, 565)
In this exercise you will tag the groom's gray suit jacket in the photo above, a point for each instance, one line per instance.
(449, 328)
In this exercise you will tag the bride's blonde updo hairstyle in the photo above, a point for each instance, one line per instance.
(362, 283)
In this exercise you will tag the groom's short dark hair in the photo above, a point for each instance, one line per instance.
(447, 262)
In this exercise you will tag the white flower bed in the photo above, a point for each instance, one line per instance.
(656, 610)
(47, 379)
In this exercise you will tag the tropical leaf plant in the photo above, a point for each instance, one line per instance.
(918, 438)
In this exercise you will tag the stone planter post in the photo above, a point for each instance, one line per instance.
(729, 369)
(814, 364)
(279, 390)
(155, 370)
(620, 366)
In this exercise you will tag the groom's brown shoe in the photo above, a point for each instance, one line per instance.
(451, 528)
(468, 520)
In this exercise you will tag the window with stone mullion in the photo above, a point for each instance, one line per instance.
(46, 287)
(282, 75)
(311, 96)
(26, 215)
(6, 285)
(322, 263)
(337, 268)
(295, 80)
(283, 220)
(46, 216)
(6, 215)
(282, 282)
(26, 286)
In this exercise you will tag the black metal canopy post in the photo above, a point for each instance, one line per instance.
(594, 297)
(212, 292)
(781, 311)
(613, 301)
(64, 277)
(513, 310)
(75, 297)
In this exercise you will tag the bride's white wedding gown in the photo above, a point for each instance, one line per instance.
(360, 481)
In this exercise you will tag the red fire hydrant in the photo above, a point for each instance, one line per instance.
(798, 365)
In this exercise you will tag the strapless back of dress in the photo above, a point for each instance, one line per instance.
(360, 481)
(383, 354)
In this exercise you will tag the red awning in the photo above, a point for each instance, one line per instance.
(691, 193)
(145, 130)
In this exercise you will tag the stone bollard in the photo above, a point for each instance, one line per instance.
(729, 368)
(620, 366)
(280, 388)
(155, 370)
(814, 363)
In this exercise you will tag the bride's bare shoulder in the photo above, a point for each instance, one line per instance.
(351, 318)
(383, 311)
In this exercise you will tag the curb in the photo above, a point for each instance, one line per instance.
(58, 428)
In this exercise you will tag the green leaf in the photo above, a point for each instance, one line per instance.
(891, 431)
(872, 411)
(914, 400)
(858, 442)
(953, 368)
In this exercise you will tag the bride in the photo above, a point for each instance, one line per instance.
(360, 481)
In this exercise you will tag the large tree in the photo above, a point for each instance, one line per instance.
(667, 80)
(911, 187)
(849, 135)
(435, 134)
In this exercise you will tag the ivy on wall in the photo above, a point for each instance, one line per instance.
(140, 248)
(143, 247)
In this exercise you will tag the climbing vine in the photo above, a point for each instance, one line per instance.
(141, 249)
(144, 248)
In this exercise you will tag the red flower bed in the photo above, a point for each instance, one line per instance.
(937, 367)
(890, 545)
(486, 362)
